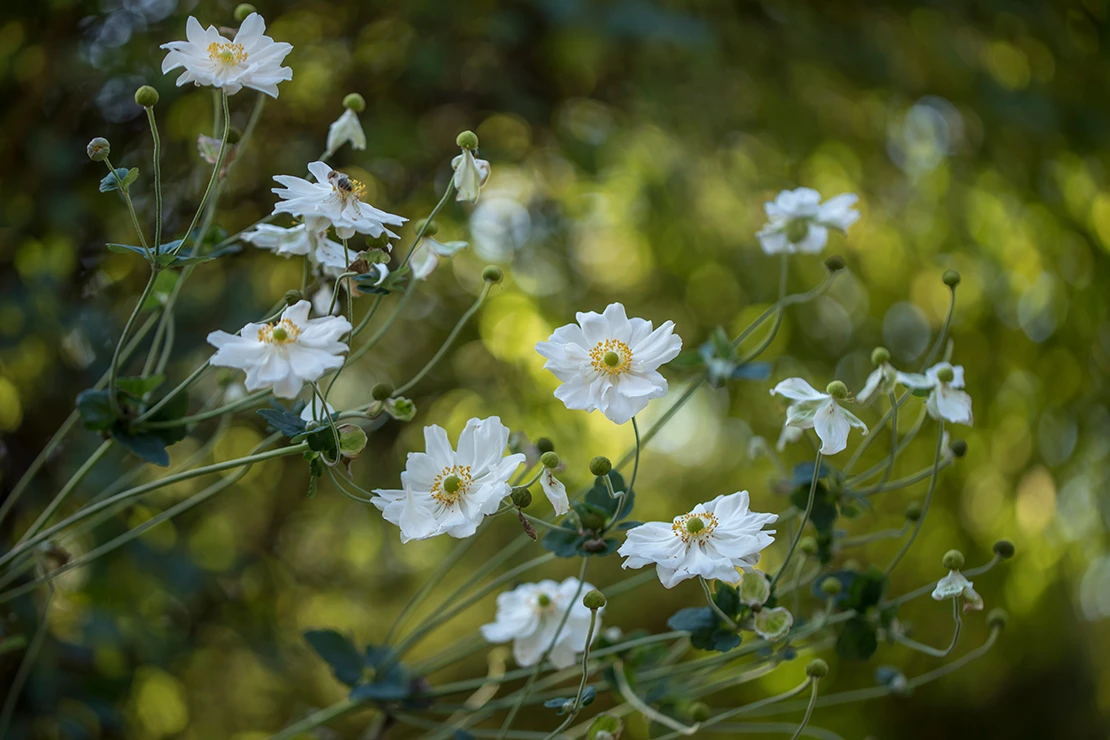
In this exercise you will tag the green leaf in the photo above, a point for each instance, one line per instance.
(110, 181)
(338, 652)
(693, 619)
(866, 590)
(138, 386)
(95, 409)
(127, 249)
(283, 421)
(11, 643)
(728, 599)
(824, 512)
(191, 257)
(164, 284)
(564, 541)
(857, 640)
(149, 446)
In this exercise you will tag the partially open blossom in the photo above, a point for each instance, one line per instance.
(346, 129)
(530, 614)
(609, 362)
(711, 541)
(449, 492)
(333, 200)
(820, 412)
(426, 257)
(555, 491)
(882, 378)
(471, 174)
(955, 584)
(798, 222)
(251, 59)
(286, 354)
(328, 256)
(947, 399)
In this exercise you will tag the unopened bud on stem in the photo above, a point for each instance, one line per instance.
(817, 668)
(953, 560)
(593, 600)
(493, 274)
(146, 96)
(951, 278)
(381, 391)
(600, 465)
(549, 460)
(880, 355)
(467, 140)
(522, 498)
(98, 149)
(355, 102)
(243, 10)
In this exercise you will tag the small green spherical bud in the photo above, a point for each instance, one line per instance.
(1004, 549)
(834, 263)
(493, 274)
(242, 10)
(234, 136)
(293, 297)
(610, 358)
(946, 375)
(797, 230)
(98, 149)
(146, 96)
(817, 668)
(699, 711)
(951, 278)
(381, 391)
(837, 390)
(593, 600)
(913, 511)
(600, 465)
(831, 586)
(880, 355)
(452, 484)
(953, 560)
(543, 444)
(355, 102)
(997, 619)
(958, 447)
(522, 497)
(851, 564)
(694, 525)
(279, 334)
(549, 460)
(429, 227)
(808, 545)
(543, 600)
(467, 140)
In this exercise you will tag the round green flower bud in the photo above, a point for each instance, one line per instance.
(797, 230)
(817, 668)
(1004, 549)
(946, 375)
(837, 390)
(355, 102)
(146, 96)
(831, 586)
(381, 391)
(834, 263)
(600, 465)
(430, 228)
(492, 274)
(593, 600)
(243, 10)
(522, 498)
(467, 140)
(997, 619)
(293, 297)
(98, 149)
(880, 355)
(808, 545)
(913, 511)
(958, 447)
(699, 711)
(543, 444)
(953, 560)
(951, 278)
(549, 460)
(234, 136)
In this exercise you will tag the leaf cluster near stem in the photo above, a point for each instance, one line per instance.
(582, 533)
(97, 414)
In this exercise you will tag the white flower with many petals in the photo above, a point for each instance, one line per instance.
(346, 129)
(471, 174)
(798, 222)
(711, 541)
(286, 354)
(609, 362)
(530, 615)
(820, 412)
(333, 200)
(251, 59)
(555, 491)
(954, 585)
(426, 257)
(947, 399)
(328, 256)
(447, 491)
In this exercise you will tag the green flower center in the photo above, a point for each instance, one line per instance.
(796, 230)
(544, 600)
(451, 484)
(694, 525)
(279, 334)
(611, 358)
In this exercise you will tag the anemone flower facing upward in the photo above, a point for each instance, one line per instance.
(251, 59)
(530, 614)
(333, 200)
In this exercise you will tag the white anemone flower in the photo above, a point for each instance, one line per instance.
(947, 399)
(286, 354)
(333, 200)
(530, 614)
(251, 59)
(329, 257)
(428, 253)
(471, 174)
(456, 490)
(711, 541)
(346, 129)
(820, 412)
(609, 362)
(555, 491)
(798, 222)
(954, 585)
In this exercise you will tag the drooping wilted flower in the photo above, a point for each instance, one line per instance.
(955, 584)
(798, 222)
(711, 541)
(455, 490)
(333, 200)
(346, 129)
(555, 491)
(530, 614)
(286, 354)
(426, 257)
(609, 362)
(947, 399)
(471, 174)
(251, 59)
(820, 412)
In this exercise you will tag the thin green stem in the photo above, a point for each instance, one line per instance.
(577, 707)
(643, 708)
(925, 506)
(183, 386)
(713, 605)
(809, 711)
(24, 670)
(243, 403)
(157, 178)
(755, 705)
(447, 342)
(125, 192)
(434, 580)
(113, 369)
(929, 649)
(805, 518)
(72, 483)
(211, 180)
(431, 216)
(384, 328)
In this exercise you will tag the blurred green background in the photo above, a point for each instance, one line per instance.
(633, 143)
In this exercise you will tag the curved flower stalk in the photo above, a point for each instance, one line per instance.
(252, 59)
(610, 362)
(334, 200)
(530, 615)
